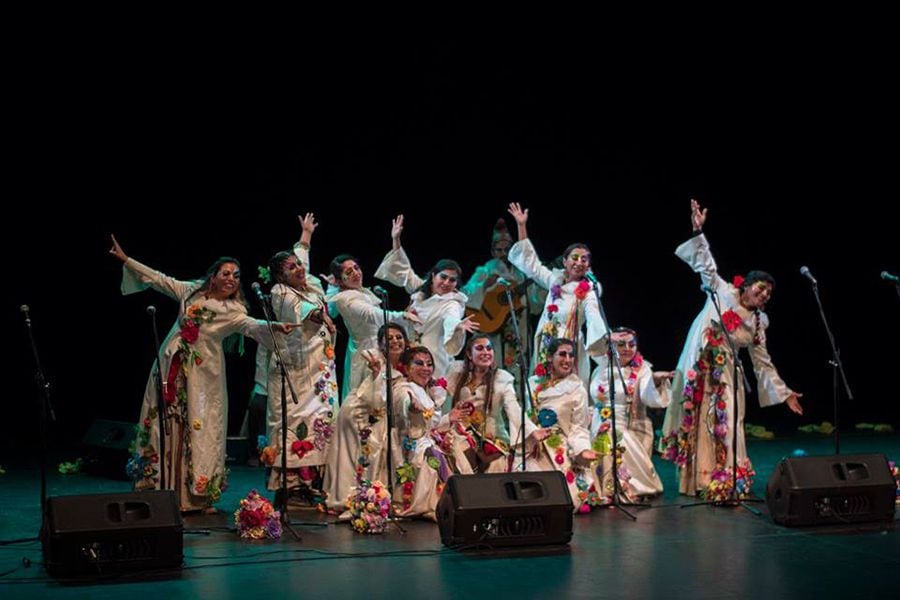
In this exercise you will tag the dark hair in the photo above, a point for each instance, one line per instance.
(445, 264)
(382, 334)
(213, 270)
(555, 343)
(335, 268)
(754, 276)
(275, 265)
(571, 247)
(407, 357)
(628, 330)
(469, 368)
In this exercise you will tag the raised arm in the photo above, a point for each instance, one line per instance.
(521, 217)
(395, 266)
(137, 277)
(696, 253)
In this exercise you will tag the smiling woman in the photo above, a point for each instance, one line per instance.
(193, 372)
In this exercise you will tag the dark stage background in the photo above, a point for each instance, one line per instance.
(185, 161)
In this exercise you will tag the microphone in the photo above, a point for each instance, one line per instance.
(151, 310)
(591, 277)
(804, 270)
(884, 275)
(380, 291)
(707, 289)
(24, 310)
(502, 281)
(257, 289)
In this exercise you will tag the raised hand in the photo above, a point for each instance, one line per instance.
(698, 217)
(396, 230)
(308, 223)
(116, 250)
(469, 324)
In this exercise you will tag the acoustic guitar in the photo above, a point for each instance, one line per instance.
(495, 308)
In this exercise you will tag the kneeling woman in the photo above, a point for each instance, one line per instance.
(424, 469)
(559, 406)
(482, 417)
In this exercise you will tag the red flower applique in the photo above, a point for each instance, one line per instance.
(731, 320)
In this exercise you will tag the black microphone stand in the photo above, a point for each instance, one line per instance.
(836, 367)
(521, 358)
(738, 367)
(160, 399)
(285, 385)
(46, 411)
(389, 410)
(613, 358)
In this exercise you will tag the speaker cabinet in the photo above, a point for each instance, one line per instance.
(506, 509)
(820, 490)
(99, 534)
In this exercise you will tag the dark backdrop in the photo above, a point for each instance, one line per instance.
(188, 159)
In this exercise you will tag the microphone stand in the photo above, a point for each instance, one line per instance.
(524, 385)
(836, 366)
(285, 385)
(160, 399)
(613, 358)
(389, 412)
(738, 367)
(46, 411)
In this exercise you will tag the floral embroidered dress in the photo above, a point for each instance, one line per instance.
(423, 469)
(363, 316)
(697, 431)
(504, 338)
(569, 308)
(637, 475)
(308, 352)
(563, 407)
(359, 448)
(440, 313)
(481, 443)
(193, 367)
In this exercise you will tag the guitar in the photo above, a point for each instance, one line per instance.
(495, 308)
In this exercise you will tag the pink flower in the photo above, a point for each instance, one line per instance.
(584, 508)
(539, 370)
(570, 476)
(441, 382)
(731, 320)
(738, 281)
(688, 405)
(552, 308)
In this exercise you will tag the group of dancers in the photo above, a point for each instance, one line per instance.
(449, 366)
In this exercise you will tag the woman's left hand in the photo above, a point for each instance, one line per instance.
(793, 402)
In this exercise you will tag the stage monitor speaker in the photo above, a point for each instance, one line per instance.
(100, 534)
(821, 490)
(506, 509)
(105, 448)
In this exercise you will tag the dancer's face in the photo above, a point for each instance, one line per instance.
(293, 273)
(421, 368)
(351, 275)
(756, 295)
(577, 263)
(444, 282)
(626, 346)
(226, 282)
(481, 353)
(562, 363)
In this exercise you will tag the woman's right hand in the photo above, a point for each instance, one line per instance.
(116, 250)
(698, 216)
(396, 230)
(461, 411)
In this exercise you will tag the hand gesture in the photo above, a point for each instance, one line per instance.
(698, 217)
(116, 250)
(793, 402)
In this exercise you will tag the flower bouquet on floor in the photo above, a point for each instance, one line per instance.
(256, 519)
(369, 507)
